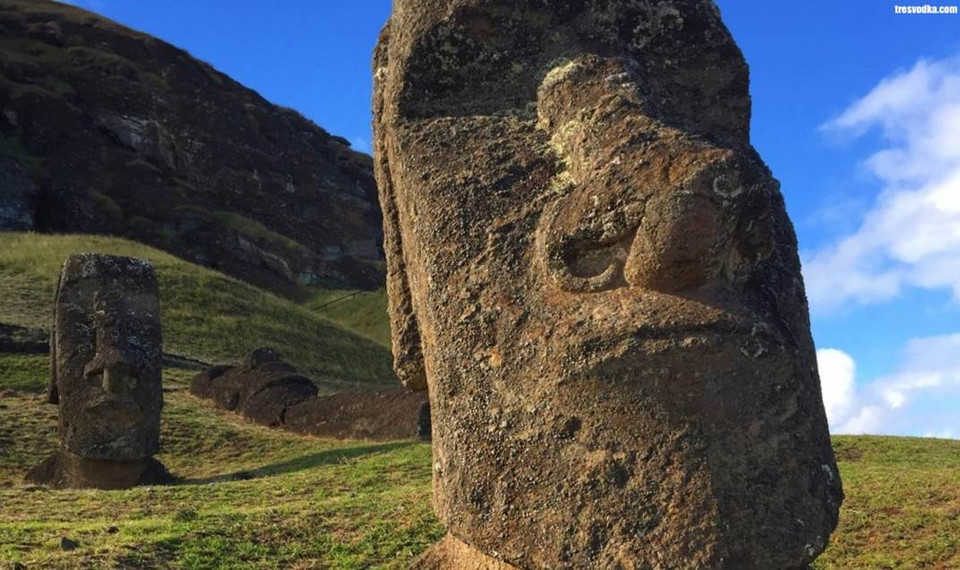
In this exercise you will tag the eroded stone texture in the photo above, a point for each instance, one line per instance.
(594, 273)
(106, 351)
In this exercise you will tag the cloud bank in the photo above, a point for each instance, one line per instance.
(911, 235)
(928, 373)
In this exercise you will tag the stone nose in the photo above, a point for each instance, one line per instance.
(118, 378)
(679, 244)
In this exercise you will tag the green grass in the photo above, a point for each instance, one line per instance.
(903, 504)
(206, 315)
(24, 372)
(253, 497)
(261, 498)
(364, 313)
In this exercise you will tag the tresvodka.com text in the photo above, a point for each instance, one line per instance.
(926, 9)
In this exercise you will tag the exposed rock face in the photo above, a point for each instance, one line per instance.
(106, 354)
(114, 132)
(595, 275)
(270, 392)
(18, 196)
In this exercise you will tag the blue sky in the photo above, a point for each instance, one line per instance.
(856, 110)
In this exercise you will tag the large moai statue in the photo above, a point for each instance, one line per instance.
(106, 355)
(593, 273)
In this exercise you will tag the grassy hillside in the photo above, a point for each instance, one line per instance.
(206, 315)
(259, 498)
(361, 312)
(253, 497)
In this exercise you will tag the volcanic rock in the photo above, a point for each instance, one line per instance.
(594, 273)
(375, 415)
(261, 389)
(106, 130)
(19, 198)
(105, 358)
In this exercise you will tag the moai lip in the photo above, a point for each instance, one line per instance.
(594, 275)
(106, 354)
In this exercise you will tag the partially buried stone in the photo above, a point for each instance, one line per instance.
(594, 273)
(261, 389)
(271, 392)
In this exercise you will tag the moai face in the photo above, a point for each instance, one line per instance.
(106, 357)
(594, 274)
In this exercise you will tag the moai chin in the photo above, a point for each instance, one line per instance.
(106, 354)
(593, 273)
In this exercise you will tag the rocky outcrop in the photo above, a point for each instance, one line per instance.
(18, 196)
(594, 274)
(270, 392)
(109, 131)
(105, 375)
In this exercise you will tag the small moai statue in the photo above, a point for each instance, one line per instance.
(105, 366)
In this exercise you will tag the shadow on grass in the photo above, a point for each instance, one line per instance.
(311, 461)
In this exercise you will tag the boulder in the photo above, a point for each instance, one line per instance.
(594, 273)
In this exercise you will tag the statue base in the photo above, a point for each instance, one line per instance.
(453, 554)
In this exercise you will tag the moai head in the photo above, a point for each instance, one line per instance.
(594, 274)
(106, 358)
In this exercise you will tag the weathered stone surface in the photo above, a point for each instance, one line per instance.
(374, 415)
(24, 340)
(124, 134)
(271, 392)
(594, 273)
(261, 389)
(106, 351)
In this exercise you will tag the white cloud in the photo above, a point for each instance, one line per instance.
(911, 235)
(869, 419)
(894, 404)
(837, 377)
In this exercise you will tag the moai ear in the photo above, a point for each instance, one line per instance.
(53, 392)
(405, 331)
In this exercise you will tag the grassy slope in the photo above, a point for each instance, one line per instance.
(206, 315)
(253, 497)
(364, 313)
(259, 498)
